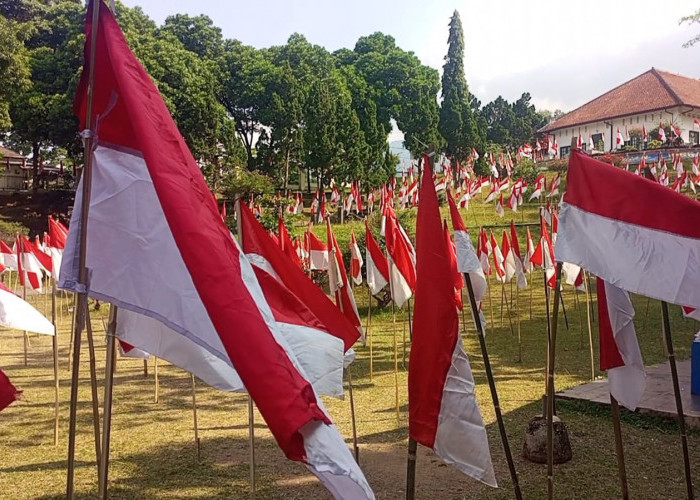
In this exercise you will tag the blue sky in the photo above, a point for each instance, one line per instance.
(564, 53)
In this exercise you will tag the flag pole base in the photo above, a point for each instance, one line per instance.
(535, 444)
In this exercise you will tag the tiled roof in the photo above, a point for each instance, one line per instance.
(650, 91)
(8, 153)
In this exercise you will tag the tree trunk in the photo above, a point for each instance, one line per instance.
(35, 166)
(286, 172)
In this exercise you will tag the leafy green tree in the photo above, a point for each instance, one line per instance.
(457, 122)
(14, 66)
(691, 19)
(197, 34)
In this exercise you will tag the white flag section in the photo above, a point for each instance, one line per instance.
(21, 315)
(619, 349)
(157, 247)
(377, 266)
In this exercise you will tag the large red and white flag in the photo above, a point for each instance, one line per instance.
(356, 261)
(443, 412)
(377, 266)
(613, 231)
(318, 251)
(159, 249)
(467, 260)
(339, 283)
(21, 315)
(402, 271)
(619, 349)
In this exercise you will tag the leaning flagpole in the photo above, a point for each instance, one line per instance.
(550, 382)
(492, 386)
(81, 308)
(251, 416)
(54, 345)
(111, 355)
(677, 394)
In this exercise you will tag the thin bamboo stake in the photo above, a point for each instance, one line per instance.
(369, 334)
(155, 377)
(677, 394)
(411, 469)
(508, 310)
(621, 471)
(590, 330)
(251, 436)
(93, 389)
(531, 287)
(24, 297)
(563, 310)
(194, 417)
(356, 448)
(72, 329)
(550, 384)
(493, 325)
(396, 362)
(503, 297)
(54, 342)
(492, 387)
(111, 356)
(81, 308)
(517, 315)
(145, 368)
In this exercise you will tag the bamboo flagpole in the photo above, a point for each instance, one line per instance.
(355, 446)
(551, 349)
(369, 334)
(677, 394)
(111, 357)
(590, 331)
(81, 307)
(24, 296)
(194, 417)
(93, 391)
(621, 471)
(54, 343)
(411, 469)
(251, 418)
(492, 387)
(155, 378)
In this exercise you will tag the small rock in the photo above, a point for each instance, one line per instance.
(535, 445)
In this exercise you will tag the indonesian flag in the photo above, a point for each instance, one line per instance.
(29, 269)
(483, 250)
(339, 284)
(543, 255)
(498, 261)
(56, 242)
(8, 256)
(21, 315)
(443, 412)
(492, 194)
(644, 133)
(457, 276)
(627, 134)
(377, 266)
(508, 258)
(636, 248)
(591, 145)
(676, 131)
(662, 133)
(513, 200)
(129, 351)
(528, 266)
(696, 123)
(499, 206)
(402, 271)
(8, 392)
(540, 184)
(579, 141)
(619, 349)
(318, 252)
(554, 186)
(475, 155)
(158, 249)
(285, 242)
(467, 260)
(356, 261)
(515, 247)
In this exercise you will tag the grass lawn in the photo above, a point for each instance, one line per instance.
(153, 453)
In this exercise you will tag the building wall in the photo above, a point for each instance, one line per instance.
(678, 115)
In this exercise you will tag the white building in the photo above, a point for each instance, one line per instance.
(645, 101)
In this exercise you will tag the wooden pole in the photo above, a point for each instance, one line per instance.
(24, 297)
(590, 330)
(492, 387)
(93, 390)
(72, 329)
(396, 361)
(81, 308)
(517, 315)
(356, 448)
(369, 335)
(251, 436)
(531, 287)
(145, 368)
(550, 384)
(155, 378)
(677, 394)
(111, 355)
(563, 310)
(251, 416)
(621, 471)
(55, 364)
(194, 417)
(508, 311)
(411, 469)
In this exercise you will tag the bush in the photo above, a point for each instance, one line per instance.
(527, 169)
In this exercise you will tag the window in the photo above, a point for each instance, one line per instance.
(637, 119)
(694, 136)
(564, 151)
(598, 141)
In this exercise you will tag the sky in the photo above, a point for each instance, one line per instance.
(564, 53)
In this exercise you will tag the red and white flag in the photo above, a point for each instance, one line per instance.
(8, 257)
(499, 206)
(29, 269)
(339, 283)
(402, 271)
(636, 247)
(528, 266)
(540, 184)
(467, 260)
(554, 186)
(21, 315)
(457, 276)
(8, 392)
(498, 261)
(662, 133)
(377, 266)
(520, 278)
(318, 252)
(356, 261)
(443, 412)
(159, 249)
(620, 140)
(619, 349)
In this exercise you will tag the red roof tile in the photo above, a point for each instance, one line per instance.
(650, 91)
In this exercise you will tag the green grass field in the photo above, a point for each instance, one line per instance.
(153, 452)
